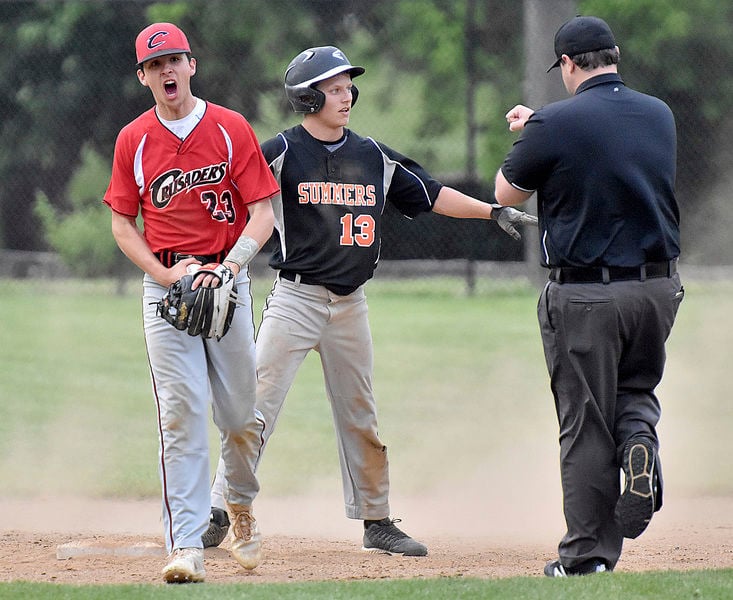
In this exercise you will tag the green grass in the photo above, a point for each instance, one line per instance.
(707, 585)
(465, 370)
(460, 382)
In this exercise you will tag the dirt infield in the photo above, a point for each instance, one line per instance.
(308, 539)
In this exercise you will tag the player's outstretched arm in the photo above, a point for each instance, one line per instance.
(452, 203)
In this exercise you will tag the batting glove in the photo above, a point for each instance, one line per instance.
(508, 218)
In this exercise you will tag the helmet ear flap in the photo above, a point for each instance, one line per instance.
(305, 99)
(319, 99)
(354, 94)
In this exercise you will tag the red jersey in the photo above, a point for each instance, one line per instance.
(192, 194)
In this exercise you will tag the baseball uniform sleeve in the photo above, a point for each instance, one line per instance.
(411, 189)
(250, 172)
(123, 192)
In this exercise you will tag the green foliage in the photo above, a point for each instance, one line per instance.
(439, 57)
(671, 49)
(82, 235)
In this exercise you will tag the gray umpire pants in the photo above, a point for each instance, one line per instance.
(604, 347)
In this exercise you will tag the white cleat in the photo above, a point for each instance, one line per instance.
(185, 565)
(244, 536)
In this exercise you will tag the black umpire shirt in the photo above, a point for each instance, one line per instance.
(603, 163)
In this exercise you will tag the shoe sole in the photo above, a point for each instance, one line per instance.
(388, 552)
(249, 560)
(636, 505)
(555, 569)
(180, 576)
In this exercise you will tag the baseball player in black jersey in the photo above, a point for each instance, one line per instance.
(334, 186)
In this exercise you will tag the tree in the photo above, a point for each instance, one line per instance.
(60, 88)
(67, 78)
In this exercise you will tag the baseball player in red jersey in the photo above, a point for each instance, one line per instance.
(334, 186)
(195, 173)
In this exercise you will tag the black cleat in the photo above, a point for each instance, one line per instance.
(637, 502)
(386, 538)
(588, 567)
(218, 528)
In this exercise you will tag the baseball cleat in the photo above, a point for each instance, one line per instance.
(588, 567)
(245, 537)
(185, 565)
(384, 537)
(218, 528)
(636, 505)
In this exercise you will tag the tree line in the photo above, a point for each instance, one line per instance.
(68, 80)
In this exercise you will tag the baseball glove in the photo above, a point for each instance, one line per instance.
(205, 311)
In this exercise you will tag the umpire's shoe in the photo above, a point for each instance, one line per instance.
(638, 501)
(385, 537)
(218, 528)
(245, 537)
(588, 567)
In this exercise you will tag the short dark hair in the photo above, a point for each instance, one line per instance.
(598, 58)
(188, 56)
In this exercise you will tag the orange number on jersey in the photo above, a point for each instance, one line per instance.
(359, 230)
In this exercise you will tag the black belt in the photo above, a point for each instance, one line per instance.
(170, 257)
(646, 271)
(293, 276)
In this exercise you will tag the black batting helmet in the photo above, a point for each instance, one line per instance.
(310, 67)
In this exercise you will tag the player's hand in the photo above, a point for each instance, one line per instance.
(178, 270)
(518, 116)
(208, 279)
(509, 218)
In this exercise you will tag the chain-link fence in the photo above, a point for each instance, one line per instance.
(440, 76)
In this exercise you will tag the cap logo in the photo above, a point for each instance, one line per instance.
(153, 42)
(339, 55)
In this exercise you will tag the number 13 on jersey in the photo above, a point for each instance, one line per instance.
(357, 229)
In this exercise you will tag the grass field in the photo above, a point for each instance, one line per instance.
(707, 585)
(458, 378)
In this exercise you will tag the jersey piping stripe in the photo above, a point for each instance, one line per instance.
(276, 166)
(138, 166)
(388, 162)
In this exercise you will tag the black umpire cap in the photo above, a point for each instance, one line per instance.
(580, 35)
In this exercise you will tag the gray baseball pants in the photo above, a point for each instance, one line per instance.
(299, 318)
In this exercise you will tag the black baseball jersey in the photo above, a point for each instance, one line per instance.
(603, 163)
(329, 212)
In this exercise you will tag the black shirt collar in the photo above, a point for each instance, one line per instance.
(599, 80)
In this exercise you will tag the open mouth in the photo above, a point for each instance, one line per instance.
(170, 88)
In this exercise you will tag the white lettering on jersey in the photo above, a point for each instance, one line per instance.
(175, 181)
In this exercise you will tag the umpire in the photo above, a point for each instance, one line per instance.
(603, 165)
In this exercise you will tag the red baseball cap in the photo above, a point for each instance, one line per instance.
(160, 39)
